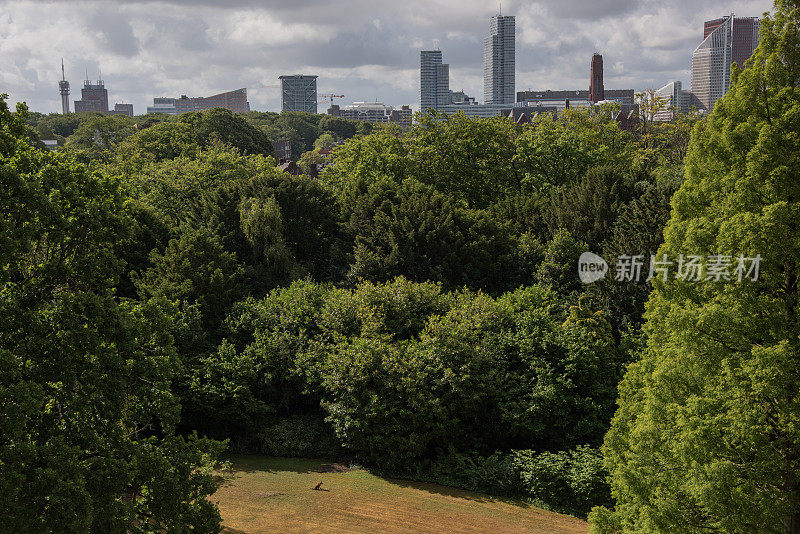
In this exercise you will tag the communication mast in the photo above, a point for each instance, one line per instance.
(63, 88)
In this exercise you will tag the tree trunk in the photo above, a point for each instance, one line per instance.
(790, 485)
(793, 524)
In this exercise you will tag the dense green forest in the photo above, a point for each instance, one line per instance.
(168, 293)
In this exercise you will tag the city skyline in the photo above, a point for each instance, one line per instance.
(148, 50)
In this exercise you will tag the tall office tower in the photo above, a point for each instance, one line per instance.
(596, 93)
(94, 97)
(434, 80)
(63, 88)
(499, 61)
(725, 40)
(299, 93)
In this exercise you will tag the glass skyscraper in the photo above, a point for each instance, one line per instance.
(299, 93)
(726, 40)
(499, 61)
(434, 80)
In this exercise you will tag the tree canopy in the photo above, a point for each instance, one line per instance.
(706, 435)
(414, 307)
(87, 433)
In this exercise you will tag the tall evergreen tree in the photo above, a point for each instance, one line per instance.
(707, 435)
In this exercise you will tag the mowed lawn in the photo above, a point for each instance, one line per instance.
(275, 495)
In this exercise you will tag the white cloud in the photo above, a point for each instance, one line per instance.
(254, 27)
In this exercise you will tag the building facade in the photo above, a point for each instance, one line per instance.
(674, 99)
(235, 101)
(577, 99)
(499, 61)
(299, 93)
(527, 114)
(480, 111)
(122, 109)
(434, 80)
(557, 99)
(94, 97)
(596, 93)
(625, 97)
(283, 150)
(162, 104)
(460, 97)
(725, 40)
(375, 112)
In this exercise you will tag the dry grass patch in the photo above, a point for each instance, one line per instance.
(276, 495)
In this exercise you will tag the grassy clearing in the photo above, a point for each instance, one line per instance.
(275, 495)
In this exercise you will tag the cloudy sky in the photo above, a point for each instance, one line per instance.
(363, 49)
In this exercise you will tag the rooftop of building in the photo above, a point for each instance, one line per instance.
(367, 106)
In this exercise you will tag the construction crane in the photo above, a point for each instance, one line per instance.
(328, 98)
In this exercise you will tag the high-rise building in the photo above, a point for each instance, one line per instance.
(63, 88)
(711, 25)
(725, 40)
(434, 80)
(499, 61)
(596, 79)
(94, 97)
(299, 93)
(235, 101)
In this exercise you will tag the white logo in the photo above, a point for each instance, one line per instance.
(591, 268)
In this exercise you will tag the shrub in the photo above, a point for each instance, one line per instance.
(495, 474)
(303, 435)
(572, 481)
